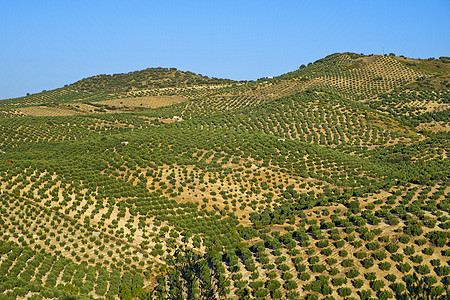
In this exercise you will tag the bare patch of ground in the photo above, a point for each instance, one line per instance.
(44, 111)
(107, 106)
(434, 126)
(147, 101)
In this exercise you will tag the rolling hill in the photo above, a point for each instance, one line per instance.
(328, 182)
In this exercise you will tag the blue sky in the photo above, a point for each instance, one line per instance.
(47, 44)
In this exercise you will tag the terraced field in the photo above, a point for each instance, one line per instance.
(328, 182)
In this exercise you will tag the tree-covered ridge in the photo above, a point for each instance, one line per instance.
(146, 79)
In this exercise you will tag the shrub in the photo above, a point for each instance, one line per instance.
(280, 260)
(384, 295)
(327, 252)
(367, 263)
(287, 276)
(347, 263)
(391, 277)
(240, 284)
(290, 285)
(420, 242)
(414, 228)
(339, 281)
(283, 267)
(384, 239)
(442, 271)
(292, 295)
(365, 294)
(404, 239)
(380, 255)
(273, 285)
(398, 288)
(257, 284)
(435, 262)
(438, 238)
(358, 283)
(397, 257)
(385, 266)
(371, 276)
(417, 259)
(357, 244)
(261, 293)
(305, 276)
(423, 269)
(293, 252)
(430, 280)
(312, 297)
(300, 268)
(326, 290)
(373, 246)
(404, 267)
(361, 254)
(318, 268)
(322, 244)
(344, 292)
(333, 271)
(339, 243)
(377, 285)
(428, 251)
(297, 260)
(436, 291)
(313, 260)
(446, 225)
(352, 273)
(392, 248)
(368, 236)
(278, 294)
(409, 250)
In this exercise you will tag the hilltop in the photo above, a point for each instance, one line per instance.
(150, 78)
(330, 181)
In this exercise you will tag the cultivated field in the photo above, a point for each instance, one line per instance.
(328, 182)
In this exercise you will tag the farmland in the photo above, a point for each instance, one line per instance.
(328, 182)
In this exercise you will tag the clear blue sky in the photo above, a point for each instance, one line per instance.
(46, 44)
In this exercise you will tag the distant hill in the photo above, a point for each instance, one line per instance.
(150, 78)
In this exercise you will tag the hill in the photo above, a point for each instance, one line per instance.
(331, 181)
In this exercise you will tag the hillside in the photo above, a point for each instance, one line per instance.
(328, 182)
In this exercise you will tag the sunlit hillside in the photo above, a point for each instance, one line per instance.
(328, 182)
